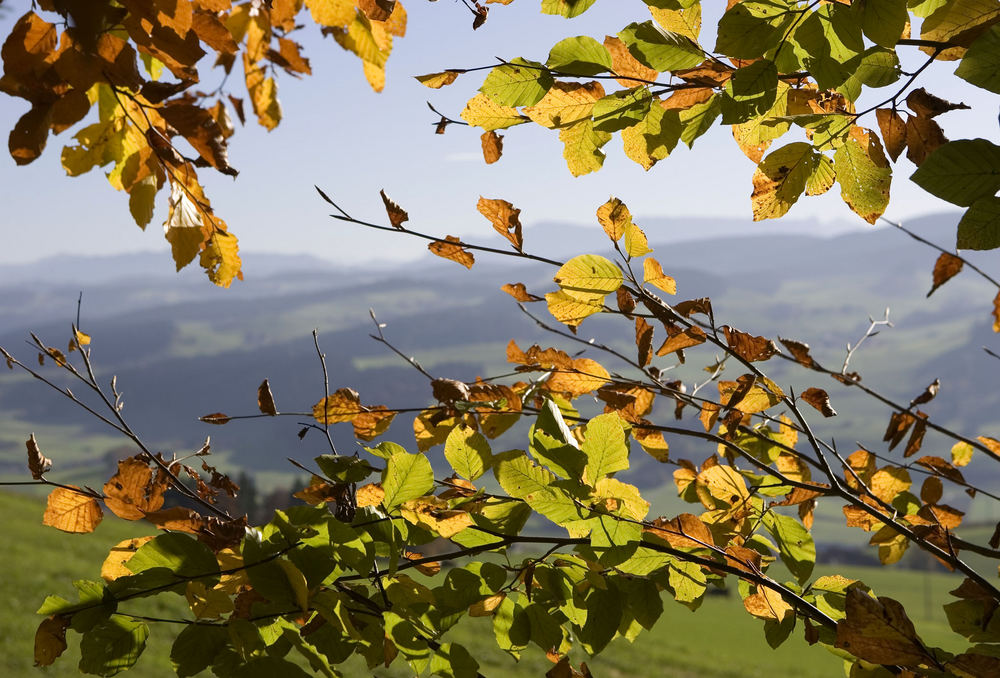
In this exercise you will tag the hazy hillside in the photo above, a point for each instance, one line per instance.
(181, 349)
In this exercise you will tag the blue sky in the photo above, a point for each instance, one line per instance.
(352, 142)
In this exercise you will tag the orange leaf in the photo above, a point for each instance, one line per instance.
(819, 399)
(653, 274)
(133, 491)
(343, 405)
(397, 215)
(449, 248)
(893, 130)
(492, 146)
(70, 510)
(371, 494)
(505, 219)
(749, 347)
(373, 422)
(519, 292)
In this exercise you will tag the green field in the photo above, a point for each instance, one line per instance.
(720, 639)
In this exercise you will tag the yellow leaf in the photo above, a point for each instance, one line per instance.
(686, 22)
(571, 310)
(433, 514)
(114, 565)
(371, 494)
(184, 227)
(343, 405)
(961, 453)
(888, 482)
(70, 511)
(142, 200)
(725, 483)
(566, 104)
(483, 112)
(636, 244)
(588, 277)
(220, 258)
(297, 581)
(652, 273)
(263, 92)
(767, 604)
(614, 217)
(581, 147)
(372, 423)
(437, 80)
(487, 606)
(331, 12)
(780, 179)
(891, 545)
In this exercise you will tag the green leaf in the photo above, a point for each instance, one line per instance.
(451, 660)
(864, 174)
(269, 667)
(688, 581)
(659, 49)
(566, 8)
(344, 469)
(795, 544)
(112, 646)
(653, 138)
(621, 109)
(180, 553)
(979, 228)
(750, 93)
(581, 55)
(581, 147)
(961, 172)
(522, 478)
(781, 178)
(749, 29)
(604, 614)
(468, 452)
(981, 64)
(196, 647)
(588, 277)
(605, 446)
(883, 21)
(519, 83)
(699, 119)
(406, 476)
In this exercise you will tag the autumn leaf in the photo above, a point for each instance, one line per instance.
(449, 248)
(946, 267)
(397, 215)
(372, 422)
(519, 292)
(767, 604)
(114, 565)
(71, 510)
(265, 401)
(588, 277)
(614, 217)
(492, 146)
(863, 173)
(819, 399)
(50, 639)
(879, 631)
(893, 129)
(506, 219)
(38, 463)
(343, 405)
(749, 347)
(438, 80)
(652, 273)
(134, 491)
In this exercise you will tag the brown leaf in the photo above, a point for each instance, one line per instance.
(899, 424)
(377, 10)
(71, 510)
(858, 517)
(134, 491)
(480, 17)
(506, 219)
(178, 519)
(397, 215)
(626, 302)
(799, 351)
(492, 146)
(749, 347)
(996, 313)
(38, 463)
(686, 531)
(202, 131)
(217, 418)
(678, 340)
(688, 308)
(265, 401)
(50, 639)
(917, 436)
(686, 98)
(519, 292)
(644, 340)
(926, 105)
(819, 399)
(449, 248)
(878, 631)
(942, 468)
(893, 130)
(928, 393)
(931, 490)
(923, 135)
(449, 391)
(946, 267)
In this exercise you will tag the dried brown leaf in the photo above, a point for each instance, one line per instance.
(38, 463)
(492, 146)
(506, 219)
(819, 399)
(893, 130)
(946, 267)
(749, 347)
(397, 215)
(520, 292)
(799, 351)
(926, 105)
(265, 400)
(644, 341)
(449, 248)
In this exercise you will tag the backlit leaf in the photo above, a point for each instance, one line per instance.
(658, 49)
(979, 228)
(518, 83)
(397, 215)
(819, 399)
(38, 463)
(961, 171)
(581, 55)
(133, 491)
(406, 476)
(588, 277)
(449, 248)
(481, 111)
(652, 273)
(864, 174)
(781, 178)
(70, 510)
(437, 80)
(265, 400)
(492, 146)
(468, 452)
(505, 218)
(879, 631)
(614, 217)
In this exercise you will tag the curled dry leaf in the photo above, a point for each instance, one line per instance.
(450, 248)
(928, 393)
(265, 400)
(520, 292)
(643, 341)
(38, 463)
(449, 390)
(799, 351)
(749, 347)
(506, 219)
(217, 418)
(70, 509)
(397, 215)
(819, 399)
(926, 105)
(946, 267)
(438, 80)
(492, 146)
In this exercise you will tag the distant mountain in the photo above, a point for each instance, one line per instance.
(181, 348)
